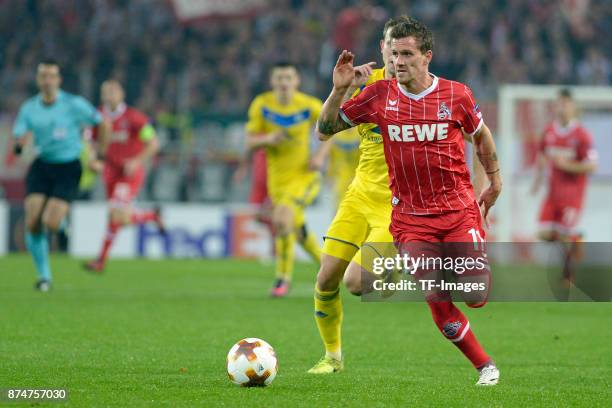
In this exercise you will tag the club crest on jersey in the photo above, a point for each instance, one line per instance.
(443, 112)
(451, 328)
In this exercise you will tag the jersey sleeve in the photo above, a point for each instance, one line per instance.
(255, 123)
(22, 123)
(138, 120)
(585, 149)
(362, 107)
(85, 112)
(471, 119)
(141, 126)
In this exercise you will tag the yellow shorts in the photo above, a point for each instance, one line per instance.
(297, 195)
(360, 229)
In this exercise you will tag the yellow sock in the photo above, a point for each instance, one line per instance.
(285, 252)
(311, 245)
(328, 315)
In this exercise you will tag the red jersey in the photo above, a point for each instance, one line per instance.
(423, 141)
(125, 141)
(575, 143)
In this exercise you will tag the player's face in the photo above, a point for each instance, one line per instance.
(48, 78)
(566, 109)
(410, 63)
(284, 81)
(385, 50)
(112, 94)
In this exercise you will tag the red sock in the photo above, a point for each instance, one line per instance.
(454, 326)
(108, 240)
(142, 216)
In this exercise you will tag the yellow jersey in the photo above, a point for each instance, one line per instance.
(343, 160)
(372, 174)
(288, 161)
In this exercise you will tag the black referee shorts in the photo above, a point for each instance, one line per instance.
(59, 180)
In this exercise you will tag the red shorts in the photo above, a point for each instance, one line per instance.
(259, 183)
(456, 226)
(559, 217)
(121, 190)
(456, 236)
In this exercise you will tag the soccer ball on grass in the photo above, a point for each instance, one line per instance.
(252, 362)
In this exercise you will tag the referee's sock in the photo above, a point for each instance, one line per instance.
(39, 248)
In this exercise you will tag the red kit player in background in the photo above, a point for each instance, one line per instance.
(132, 145)
(566, 148)
(423, 119)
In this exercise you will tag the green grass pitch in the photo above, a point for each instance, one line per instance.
(157, 333)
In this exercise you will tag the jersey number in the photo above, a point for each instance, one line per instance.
(476, 238)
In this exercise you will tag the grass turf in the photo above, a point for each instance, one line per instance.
(157, 333)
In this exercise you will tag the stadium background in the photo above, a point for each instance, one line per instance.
(194, 67)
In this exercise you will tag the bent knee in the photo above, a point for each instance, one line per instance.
(329, 275)
(52, 224)
(33, 225)
(353, 279)
(283, 220)
(353, 284)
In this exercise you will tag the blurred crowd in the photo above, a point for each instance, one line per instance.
(217, 65)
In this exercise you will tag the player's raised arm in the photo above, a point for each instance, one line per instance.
(487, 154)
(330, 122)
(362, 73)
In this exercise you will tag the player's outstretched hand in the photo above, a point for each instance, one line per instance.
(362, 73)
(344, 71)
(487, 200)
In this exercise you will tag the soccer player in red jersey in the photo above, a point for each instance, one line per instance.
(567, 149)
(133, 143)
(423, 119)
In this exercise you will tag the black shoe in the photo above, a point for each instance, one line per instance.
(43, 285)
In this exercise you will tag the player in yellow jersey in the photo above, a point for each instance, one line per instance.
(282, 122)
(363, 217)
(343, 160)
